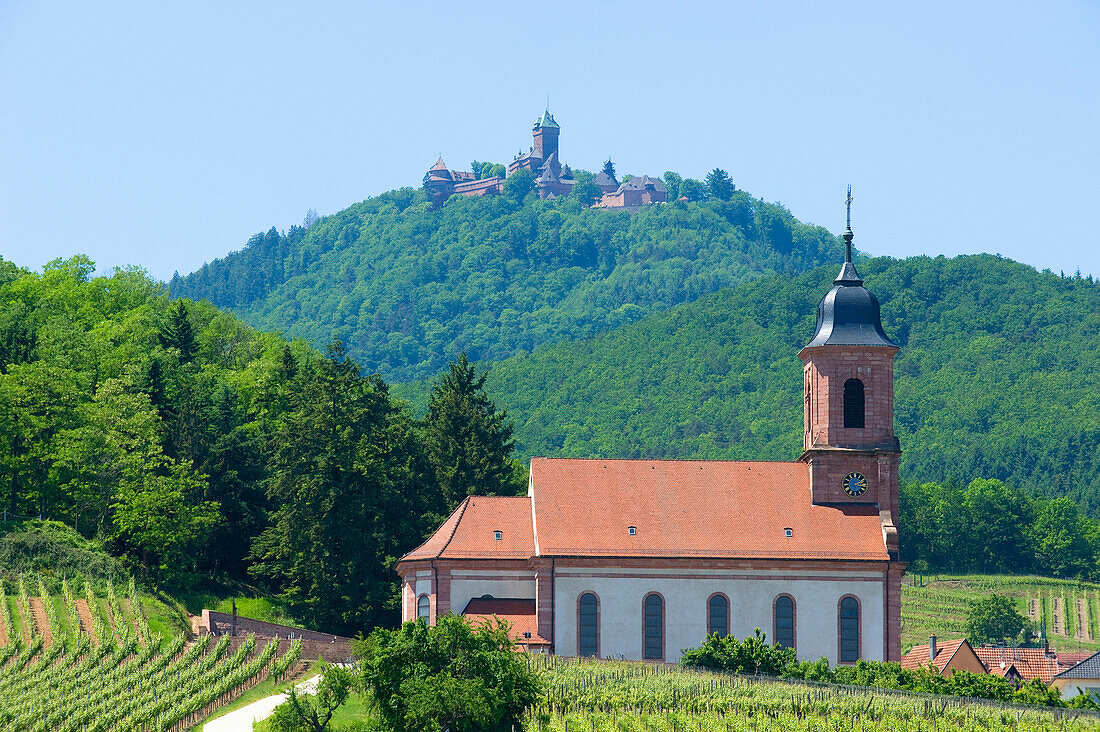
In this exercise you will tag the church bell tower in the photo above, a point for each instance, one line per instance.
(848, 376)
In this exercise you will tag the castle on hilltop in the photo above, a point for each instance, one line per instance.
(552, 178)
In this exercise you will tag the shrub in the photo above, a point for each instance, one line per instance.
(448, 676)
(750, 656)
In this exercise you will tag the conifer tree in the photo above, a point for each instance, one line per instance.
(177, 332)
(719, 185)
(469, 441)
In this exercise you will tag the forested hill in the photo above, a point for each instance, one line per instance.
(408, 288)
(998, 376)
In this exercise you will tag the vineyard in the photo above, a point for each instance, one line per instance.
(587, 696)
(1069, 610)
(90, 662)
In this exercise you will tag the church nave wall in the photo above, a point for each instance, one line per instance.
(750, 606)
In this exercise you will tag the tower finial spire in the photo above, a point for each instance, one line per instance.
(848, 229)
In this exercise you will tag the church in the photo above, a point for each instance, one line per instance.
(642, 559)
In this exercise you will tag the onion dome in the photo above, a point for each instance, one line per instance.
(848, 315)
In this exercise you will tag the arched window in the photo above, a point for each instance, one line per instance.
(784, 621)
(653, 627)
(588, 625)
(849, 630)
(853, 403)
(718, 615)
(423, 607)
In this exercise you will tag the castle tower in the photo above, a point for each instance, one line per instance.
(439, 183)
(546, 133)
(848, 366)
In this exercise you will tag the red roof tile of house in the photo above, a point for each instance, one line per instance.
(693, 508)
(918, 656)
(1030, 663)
(519, 613)
(1072, 658)
(469, 532)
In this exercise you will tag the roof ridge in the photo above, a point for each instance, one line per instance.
(667, 460)
(461, 512)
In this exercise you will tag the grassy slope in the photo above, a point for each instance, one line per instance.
(940, 605)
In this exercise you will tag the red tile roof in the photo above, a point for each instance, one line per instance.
(469, 531)
(1030, 663)
(693, 508)
(679, 508)
(519, 613)
(918, 656)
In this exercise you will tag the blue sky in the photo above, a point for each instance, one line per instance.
(164, 135)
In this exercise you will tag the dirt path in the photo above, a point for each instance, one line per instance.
(41, 620)
(3, 634)
(243, 719)
(1084, 627)
(86, 624)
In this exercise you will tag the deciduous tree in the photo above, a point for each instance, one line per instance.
(448, 676)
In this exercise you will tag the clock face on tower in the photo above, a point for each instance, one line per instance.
(855, 484)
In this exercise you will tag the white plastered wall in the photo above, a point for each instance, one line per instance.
(751, 596)
(468, 584)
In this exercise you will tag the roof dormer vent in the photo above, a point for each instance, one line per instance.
(631, 530)
(788, 532)
(497, 535)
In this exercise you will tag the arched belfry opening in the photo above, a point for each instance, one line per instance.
(854, 400)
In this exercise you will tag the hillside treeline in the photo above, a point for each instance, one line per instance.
(991, 526)
(408, 288)
(998, 376)
(198, 448)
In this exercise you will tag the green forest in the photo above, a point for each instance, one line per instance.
(998, 376)
(196, 449)
(408, 288)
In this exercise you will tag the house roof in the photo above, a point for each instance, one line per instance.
(678, 508)
(693, 508)
(439, 164)
(1030, 663)
(945, 651)
(469, 532)
(1088, 668)
(519, 613)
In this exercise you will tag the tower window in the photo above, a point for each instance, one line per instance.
(498, 535)
(853, 403)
